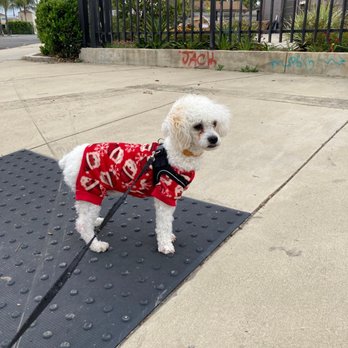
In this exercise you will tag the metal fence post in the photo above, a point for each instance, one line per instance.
(105, 9)
(317, 20)
(260, 21)
(329, 22)
(94, 40)
(344, 8)
(108, 18)
(304, 25)
(212, 24)
(240, 20)
(283, 6)
(294, 8)
(84, 23)
(270, 27)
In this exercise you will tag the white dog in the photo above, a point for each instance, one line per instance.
(194, 124)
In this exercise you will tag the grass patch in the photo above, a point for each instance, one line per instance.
(249, 69)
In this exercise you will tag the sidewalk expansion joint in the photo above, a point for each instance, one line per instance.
(80, 96)
(331, 103)
(101, 125)
(27, 110)
(76, 74)
(297, 171)
(246, 76)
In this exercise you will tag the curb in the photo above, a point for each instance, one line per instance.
(37, 57)
(302, 63)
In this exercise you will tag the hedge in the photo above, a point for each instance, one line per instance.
(58, 28)
(19, 27)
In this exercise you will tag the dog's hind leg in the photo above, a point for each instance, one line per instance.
(98, 221)
(85, 222)
(164, 222)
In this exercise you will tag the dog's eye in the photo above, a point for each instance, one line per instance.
(214, 124)
(198, 127)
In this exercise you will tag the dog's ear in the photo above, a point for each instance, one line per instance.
(177, 128)
(223, 120)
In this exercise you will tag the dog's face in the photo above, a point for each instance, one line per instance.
(204, 135)
(196, 122)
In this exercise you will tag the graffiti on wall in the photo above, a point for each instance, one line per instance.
(301, 62)
(195, 59)
(334, 60)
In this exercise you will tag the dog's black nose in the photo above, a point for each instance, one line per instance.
(213, 139)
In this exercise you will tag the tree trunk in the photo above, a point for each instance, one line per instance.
(6, 22)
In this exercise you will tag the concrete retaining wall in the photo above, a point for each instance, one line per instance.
(304, 63)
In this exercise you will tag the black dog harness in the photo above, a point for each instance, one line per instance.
(161, 166)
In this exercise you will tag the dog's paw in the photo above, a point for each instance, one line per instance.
(172, 237)
(98, 221)
(166, 248)
(99, 247)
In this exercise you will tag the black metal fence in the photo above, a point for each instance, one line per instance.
(222, 24)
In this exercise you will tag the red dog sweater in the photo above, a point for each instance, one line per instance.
(113, 166)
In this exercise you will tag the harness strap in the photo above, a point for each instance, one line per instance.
(161, 166)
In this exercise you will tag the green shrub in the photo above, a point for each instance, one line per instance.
(121, 44)
(222, 42)
(249, 69)
(196, 44)
(244, 42)
(323, 42)
(19, 27)
(58, 28)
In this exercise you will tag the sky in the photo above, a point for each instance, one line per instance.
(10, 12)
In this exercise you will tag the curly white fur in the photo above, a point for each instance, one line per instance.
(194, 124)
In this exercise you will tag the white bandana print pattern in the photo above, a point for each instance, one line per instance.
(130, 168)
(93, 160)
(145, 147)
(106, 178)
(130, 147)
(102, 148)
(144, 185)
(117, 155)
(88, 183)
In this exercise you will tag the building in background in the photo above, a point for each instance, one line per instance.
(28, 16)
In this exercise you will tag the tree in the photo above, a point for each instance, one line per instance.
(18, 4)
(25, 5)
(6, 4)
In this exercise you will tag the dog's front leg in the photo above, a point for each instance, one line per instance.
(164, 223)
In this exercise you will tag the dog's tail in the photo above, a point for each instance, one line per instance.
(62, 162)
(70, 165)
(72, 157)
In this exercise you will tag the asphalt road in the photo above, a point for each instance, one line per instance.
(17, 40)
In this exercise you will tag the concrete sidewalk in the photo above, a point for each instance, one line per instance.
(279, 282)
(16, 53)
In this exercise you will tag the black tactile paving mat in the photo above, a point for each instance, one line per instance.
(110, 293)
